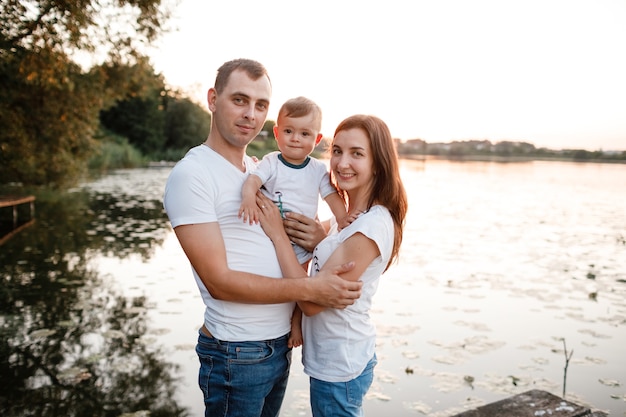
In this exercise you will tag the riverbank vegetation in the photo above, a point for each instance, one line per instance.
(77, 92)
(504, 151)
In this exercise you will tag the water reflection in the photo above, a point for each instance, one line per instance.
(500, 263)
(71, 344)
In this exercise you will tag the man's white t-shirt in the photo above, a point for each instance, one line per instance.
(204, 187)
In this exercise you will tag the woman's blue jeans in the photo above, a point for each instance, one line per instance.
(243, 379)
(341, 399)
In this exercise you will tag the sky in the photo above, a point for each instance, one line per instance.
(548, 72)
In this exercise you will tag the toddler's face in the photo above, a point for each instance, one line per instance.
(297, 137)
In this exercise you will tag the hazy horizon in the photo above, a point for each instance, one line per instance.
(547, 72)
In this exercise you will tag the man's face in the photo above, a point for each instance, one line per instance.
(239, 111)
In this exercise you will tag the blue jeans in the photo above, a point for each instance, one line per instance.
(243, 379)
(341, 399)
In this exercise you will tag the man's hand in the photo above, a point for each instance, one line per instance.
(330, 290)
(303, 230)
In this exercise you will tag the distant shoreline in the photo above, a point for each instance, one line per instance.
(463, 158)
(505, 159)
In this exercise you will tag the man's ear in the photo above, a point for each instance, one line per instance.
(211, 96)
(318, 138)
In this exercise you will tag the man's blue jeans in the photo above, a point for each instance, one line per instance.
(243, 379)
(341, 399)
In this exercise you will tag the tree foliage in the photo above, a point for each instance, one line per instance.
(154, 119)
(137, 114)
(48, 114)
(81, 25)
(186, 123)
(49, 103)
(139, 120)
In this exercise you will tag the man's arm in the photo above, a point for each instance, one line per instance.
(204, 246)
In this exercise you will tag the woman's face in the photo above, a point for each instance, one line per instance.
(352, 162)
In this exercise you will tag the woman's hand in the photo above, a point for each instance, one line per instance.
(271, 221)
(303, 230)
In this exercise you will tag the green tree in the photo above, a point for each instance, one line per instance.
(138, 119)
(49, 103)
(268, 127)
(139, 115)
(186, 123)
(48, 114)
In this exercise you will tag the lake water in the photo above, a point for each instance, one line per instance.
(504, 266)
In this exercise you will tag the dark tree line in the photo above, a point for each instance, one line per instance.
(56, 112)
(158, 122)
(503, 149)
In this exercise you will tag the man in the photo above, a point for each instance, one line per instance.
(242, 346)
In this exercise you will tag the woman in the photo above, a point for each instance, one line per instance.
(339, 345)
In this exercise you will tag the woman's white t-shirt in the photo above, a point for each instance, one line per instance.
(338, 344)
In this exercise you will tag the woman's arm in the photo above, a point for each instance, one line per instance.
(357, 247)
(272, 224)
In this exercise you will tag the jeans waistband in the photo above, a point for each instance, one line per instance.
(205, 332)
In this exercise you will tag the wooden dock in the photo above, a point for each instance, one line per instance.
(14, 202)
(532, 403)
